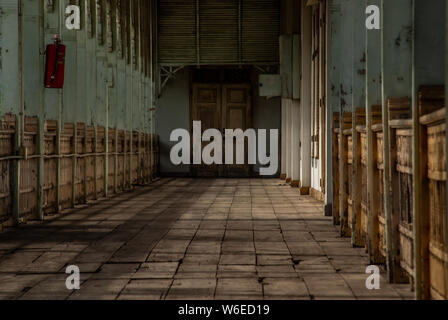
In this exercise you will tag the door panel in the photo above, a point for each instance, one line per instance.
(206, 107)
(236, 114)
(222, 107)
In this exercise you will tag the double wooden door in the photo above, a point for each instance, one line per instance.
(222, 106)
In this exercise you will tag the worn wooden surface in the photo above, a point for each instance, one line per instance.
(336, 125)
(346, 124)
(400, 148)
(434, 185)
(357, 185)
(379, 177)
(370, 200)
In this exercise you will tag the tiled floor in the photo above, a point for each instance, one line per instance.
(190, 239)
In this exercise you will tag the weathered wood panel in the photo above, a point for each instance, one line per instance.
(89, 150)
(434, 130)
(379, 175)
(348, 133)
(121, 149)
(135, 159)
(29, 172)
(111, 161)
(355, 176)
(50, 168)
(344, 184)
(405, 193)
(86, 149)
(362, 217)
(7, 135)
(80, 163)
(127, 160)
(369, 204)
(400, 148)
(335, 161)
(99, 161)
(66, 182)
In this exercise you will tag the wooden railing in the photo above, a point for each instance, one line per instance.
(379, 177)
(80, 153)
(343, 189)
(335, 162)
(433, 148)
(401, 179)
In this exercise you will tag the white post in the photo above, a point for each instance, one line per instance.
(295, 143)
(288, 139)
(305, 108)
(283, 157)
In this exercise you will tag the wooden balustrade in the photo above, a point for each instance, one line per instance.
(400, 151)
(343, 170)
(379, 178)
(81, 159)
(433, 151)
(335, 163)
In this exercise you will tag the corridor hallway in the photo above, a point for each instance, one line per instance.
(190, 239)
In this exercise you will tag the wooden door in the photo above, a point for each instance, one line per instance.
(206, 107)
(222, 107)
(237, 114)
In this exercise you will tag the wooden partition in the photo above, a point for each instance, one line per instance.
(343, 170)
(335, 162)
(50, 167)
(348, 177)
(433, 148)
(355, 172)
(66, 166)
(361, 201)
(379, 177)
(7, 135)
(79, 154)
(400, 148)
(29, 172)
(80, 177)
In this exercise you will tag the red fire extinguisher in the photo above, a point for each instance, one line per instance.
(55, 65)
